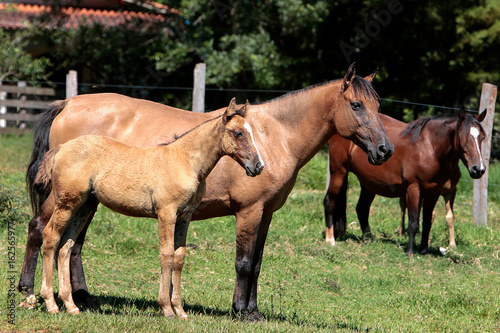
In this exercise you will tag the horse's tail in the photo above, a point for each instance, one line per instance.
(38, 194)
(43, 180)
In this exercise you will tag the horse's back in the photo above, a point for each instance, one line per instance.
(123, 118)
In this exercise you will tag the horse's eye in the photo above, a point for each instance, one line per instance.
(356, 106)
(238, 134)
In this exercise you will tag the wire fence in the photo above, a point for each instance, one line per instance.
(89, 87)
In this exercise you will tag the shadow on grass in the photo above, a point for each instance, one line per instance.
(117, 305)
(121, 305)
(388, 239)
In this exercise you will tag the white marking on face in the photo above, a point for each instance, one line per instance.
(249, 129)
(474, 132)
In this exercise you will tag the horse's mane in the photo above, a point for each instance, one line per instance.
(359, 85)
(176, 137)
(414, 129)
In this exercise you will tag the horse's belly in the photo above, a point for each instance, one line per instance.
(126, 203)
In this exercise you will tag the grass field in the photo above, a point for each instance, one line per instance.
(305, 286)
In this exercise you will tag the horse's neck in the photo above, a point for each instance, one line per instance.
(303, 122)
(442, 138)
(202, 146)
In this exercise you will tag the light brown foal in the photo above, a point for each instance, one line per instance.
(165, 182)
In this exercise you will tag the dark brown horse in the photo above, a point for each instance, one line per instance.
(426, 154)
(289, 131)
(448, 192)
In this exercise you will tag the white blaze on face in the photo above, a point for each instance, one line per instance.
(474, 132)
(249, 129)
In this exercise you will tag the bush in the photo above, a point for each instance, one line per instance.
(12, 203)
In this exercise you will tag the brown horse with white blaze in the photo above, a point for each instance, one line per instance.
(166, 182)
(289, 130)
(426, 157)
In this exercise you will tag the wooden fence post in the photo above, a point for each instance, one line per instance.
(3, 109)
(199, 88)
(480, 193)
(71, 84)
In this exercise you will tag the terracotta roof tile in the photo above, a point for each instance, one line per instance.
(15, 16)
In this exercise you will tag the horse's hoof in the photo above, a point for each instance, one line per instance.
(169, 314)
(255, 316)
(330, 242)
(75, 311)
(29, 302)
(54, 310)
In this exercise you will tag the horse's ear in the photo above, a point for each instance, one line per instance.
(370, 77)
(243, 110)
(349, 77)
(230, 111)
(480, 117)
(462, 113)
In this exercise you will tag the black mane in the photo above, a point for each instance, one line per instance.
(414, 128)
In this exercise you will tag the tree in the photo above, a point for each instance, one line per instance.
(16, 62)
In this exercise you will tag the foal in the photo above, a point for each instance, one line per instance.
(165, 182)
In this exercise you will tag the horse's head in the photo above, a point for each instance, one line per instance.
(357, 117)
(468, 140)
(238, 141)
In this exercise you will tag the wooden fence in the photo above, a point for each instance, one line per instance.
(19, 104)
(15, 101)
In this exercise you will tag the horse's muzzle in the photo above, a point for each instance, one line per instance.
(381, 154)
(476, 172)
(254, 169)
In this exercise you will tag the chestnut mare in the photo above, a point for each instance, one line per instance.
(289, 130)
(448, 192)
(92, 169)
(427, 152)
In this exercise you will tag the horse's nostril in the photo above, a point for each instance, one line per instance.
(382, 149)
(258, 165)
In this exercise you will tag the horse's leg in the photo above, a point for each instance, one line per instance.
(51, 238)
(335, 204)
(251, 232)
(35, 239)
(166, 230)
(81, 293)
(181, 230)
(253, 312)
(67, 242)
(363, 211)
(402, 204)
(449, 198)
(413, 204)
(428, 208)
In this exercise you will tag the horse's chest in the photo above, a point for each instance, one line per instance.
(191, 201)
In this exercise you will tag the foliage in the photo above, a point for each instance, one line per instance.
(429, 52)
(16, 62)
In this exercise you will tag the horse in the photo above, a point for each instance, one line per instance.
(166, 182)
(291, 130)
(448, 192)
(426, 153)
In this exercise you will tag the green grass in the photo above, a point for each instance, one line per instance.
(305, 286)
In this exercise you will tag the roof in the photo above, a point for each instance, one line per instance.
(16, 16)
